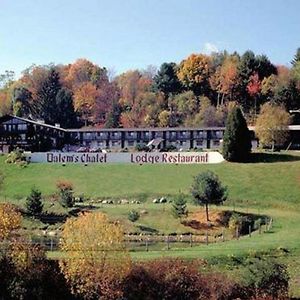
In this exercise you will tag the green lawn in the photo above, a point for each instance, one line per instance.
(271, 186)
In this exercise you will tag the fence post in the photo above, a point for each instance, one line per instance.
(249, 230)
(51, 244)
(147, 246)
(191, 240)
(168, 242)
(206, 237)
(270, 223)
(223, 235)
(259, 229)
(237, 235)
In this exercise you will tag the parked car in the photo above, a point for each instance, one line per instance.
(83, 149)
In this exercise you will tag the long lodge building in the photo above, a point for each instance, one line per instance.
(31, 135)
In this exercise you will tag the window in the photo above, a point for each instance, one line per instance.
(130, 143)
(130, 133)
(114, 143)
(199, 143)
(22, 126)
(216, 143)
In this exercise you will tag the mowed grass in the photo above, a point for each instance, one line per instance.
(271, 188)
(254, 184)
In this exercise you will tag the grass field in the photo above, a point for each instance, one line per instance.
(270, 186)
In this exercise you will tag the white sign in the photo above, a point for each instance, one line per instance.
(135, 158)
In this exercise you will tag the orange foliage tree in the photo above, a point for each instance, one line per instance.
(10, 221)
(194, 73)
(97, 260)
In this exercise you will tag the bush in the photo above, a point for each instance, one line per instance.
(34, 205)
(165, 279)
(237, 139)
(65, 189)
(142, 147)
(133, 216)
(179, 208)
(16, 157)
(267, 278)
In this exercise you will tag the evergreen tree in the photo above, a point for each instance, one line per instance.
(133, 216)
(66, 115)
(45, 106)
(296, 57)
(207, 189)
(34, 205)
(179, 208)
(237, 139)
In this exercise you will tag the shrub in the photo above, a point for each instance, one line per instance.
(34, 205)
(133, 216)
(179, 208)
(237, 139)
(267, 278)
(16, 157)
(65, 189)
(142, 147)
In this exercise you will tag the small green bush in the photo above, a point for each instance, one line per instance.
(133, 216)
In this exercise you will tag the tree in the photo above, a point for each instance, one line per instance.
(207, 189)
(66, 115)
(65, 189)
(10, 220)
(194, 73)
(34, 205)
(237, 139)
(97, 258)
(179, 208)
(296, 58)
(45, 101)
(166, 80)
(133, 216)
(85, 100)
(271, 126)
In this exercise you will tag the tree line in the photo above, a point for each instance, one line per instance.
(198, 91)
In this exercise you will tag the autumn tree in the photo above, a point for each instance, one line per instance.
(224, 80)
(271, 126)
(254, 88)
(207, 189)
(237, 139)
(97, 260)
(10, 220)
(194, 73)
(85, 100)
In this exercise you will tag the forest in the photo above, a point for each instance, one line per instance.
(198, 91)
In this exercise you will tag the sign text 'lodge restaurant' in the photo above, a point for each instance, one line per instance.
(136, 158)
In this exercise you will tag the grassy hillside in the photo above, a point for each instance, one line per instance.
(270, 186)
(263, 184)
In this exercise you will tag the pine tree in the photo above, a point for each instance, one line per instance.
(34, 203)
(179, 208)
(296, 57)
(237, 139)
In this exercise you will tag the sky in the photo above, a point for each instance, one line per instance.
(128, 34)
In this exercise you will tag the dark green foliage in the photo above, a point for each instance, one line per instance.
(267, 278)
(66, 198)
(142, 147)
(66, 115)
(34, 205)
(45, 106)
(113, 117)
(179, 208)
(133, 216)
(237, 139)
(207, 189)
(296, 57)
(21, 98)
(166, 80)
